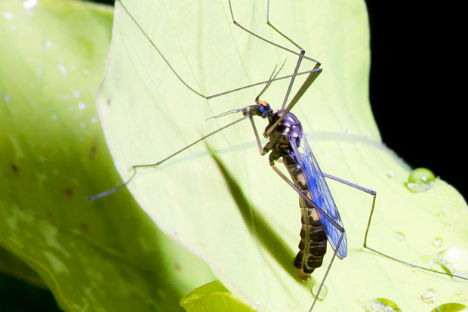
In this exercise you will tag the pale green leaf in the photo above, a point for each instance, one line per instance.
(212, 297)
(232, 209)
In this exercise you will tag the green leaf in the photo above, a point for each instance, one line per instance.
(450, 307)
(13, 266)
(104, 255)
(231, 209)
(212, 297)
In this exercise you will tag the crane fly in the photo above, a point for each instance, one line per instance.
(320, 219)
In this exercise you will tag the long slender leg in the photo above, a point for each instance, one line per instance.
(257, 138)
(311, 202)
(291, 82)
(153, 44)
(312, 75)
(305, 86)
(316, 296)
(277, 30)
(135, 167)
(340, 228)
(374, 196)
(263, 38)
(310, 71)
(366, 190)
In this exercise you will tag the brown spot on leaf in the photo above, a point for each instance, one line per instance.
(14, 168)
(177, 266)
(83, 226)
(92, 151)
(69, 192)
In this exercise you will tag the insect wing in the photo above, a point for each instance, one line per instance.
(321, 194)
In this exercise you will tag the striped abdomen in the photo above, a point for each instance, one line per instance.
(313, 244)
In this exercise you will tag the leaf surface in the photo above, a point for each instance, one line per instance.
(227, 205)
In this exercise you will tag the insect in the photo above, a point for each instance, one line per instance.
(286, 142)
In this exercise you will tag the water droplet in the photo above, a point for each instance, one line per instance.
(450, 307)
(29, 4)
(54, 117)
(400, 236)
(48, 44)
(421, 175)
(81, 105)
(7, 98)
(391, 173)
(93, 120)
(381, 305)
(420, 180)
(62, 69)
(442, 212)
(429, 296)
(438, 242)
(82, 125)
(76, 93)
(323, 292)
(453, 261)
(8, 15)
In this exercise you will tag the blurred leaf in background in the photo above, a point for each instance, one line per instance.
(105, 254)
(22, 289)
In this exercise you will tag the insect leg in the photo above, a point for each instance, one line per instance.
(197, 92)
(135, 167)
(311, 202)
(305, 86)
(316, 296)
(374, 196)
(277, 30)
(301, 55)
(340, 228)
(291, 82)
(234, 21)
(257, 138)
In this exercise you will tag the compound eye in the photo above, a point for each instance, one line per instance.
(261, 110)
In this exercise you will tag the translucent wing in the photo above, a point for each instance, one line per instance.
(321, 194)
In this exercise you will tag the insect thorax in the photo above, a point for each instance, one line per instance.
(288, 129)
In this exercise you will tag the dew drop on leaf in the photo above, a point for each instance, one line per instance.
(438, 242)
(442, 212)
(400, 236)
(381, 305)
(453, 261)
(429, 296)
(420, 180)
(450, 307)
(323, 291)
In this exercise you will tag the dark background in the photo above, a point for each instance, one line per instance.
(416, 99)
(416, 95)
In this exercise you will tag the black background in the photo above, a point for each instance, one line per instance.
(417, 89)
